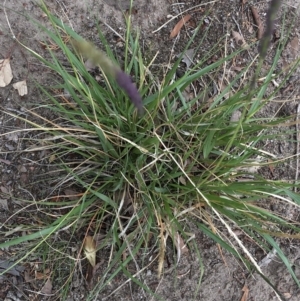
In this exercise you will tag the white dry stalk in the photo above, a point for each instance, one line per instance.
(276, 196)
(142, 149)
(217, 214)
(129, 279)
(123, 234)
(64, 9)
(8, 23)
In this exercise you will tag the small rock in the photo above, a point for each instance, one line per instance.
(236, 115)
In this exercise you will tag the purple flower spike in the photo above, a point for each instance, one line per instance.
(125, 82)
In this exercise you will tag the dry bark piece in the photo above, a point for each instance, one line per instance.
(179, 25)
(47, 288)
(258, 22)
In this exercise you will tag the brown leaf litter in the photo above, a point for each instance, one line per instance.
(179, 25)
(258, 22)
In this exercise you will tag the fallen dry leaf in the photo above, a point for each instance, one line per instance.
(13, 136)
(239, 39)
(22, 168)
(182, 180)
(47, 288)
(5, 266)
(90, 277)
(28, 277)
(246, 293)
(40, 276)
(52, 158)
(187, 57)
(179, 243)
(294, 44)
(92, 274)
(71, 194)
(3, 204)
(258, 22)
(268, 258)
(5, 161)
(21, 87)
(287, 295)
(179, 25)
(5, 73)
(90, 250)
(180, 246)
(4, 189)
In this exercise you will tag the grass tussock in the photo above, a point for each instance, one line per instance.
(140, 179)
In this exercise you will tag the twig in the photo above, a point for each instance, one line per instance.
(181, 13)
(238, 26)
(114, 31)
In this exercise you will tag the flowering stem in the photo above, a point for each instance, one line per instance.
(109, 68)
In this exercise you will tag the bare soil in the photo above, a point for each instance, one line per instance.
(26, 173)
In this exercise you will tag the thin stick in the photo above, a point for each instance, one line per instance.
(181, 13)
